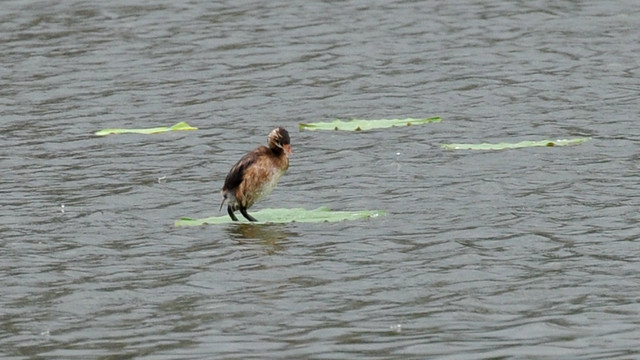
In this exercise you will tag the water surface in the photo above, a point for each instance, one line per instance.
(527, 253)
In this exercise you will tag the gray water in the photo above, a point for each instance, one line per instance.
(529, 253)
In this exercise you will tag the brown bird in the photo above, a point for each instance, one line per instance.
(256, 174)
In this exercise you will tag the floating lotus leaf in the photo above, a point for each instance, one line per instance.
(518, 145)
(363, 125)
(181, 126)
(321, 214)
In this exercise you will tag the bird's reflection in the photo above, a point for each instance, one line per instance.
(269, 234)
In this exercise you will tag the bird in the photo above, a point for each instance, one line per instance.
(256, 174)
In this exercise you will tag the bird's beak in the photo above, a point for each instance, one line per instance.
(287, 149)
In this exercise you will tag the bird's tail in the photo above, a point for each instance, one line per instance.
(224, 198)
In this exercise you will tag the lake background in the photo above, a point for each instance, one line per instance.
(529, 253)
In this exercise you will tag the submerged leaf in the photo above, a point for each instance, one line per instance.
(322, 214)
(362, 125)
(518, 145)
(181, 126)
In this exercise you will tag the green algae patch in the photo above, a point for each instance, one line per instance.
(321, 214)
(518, 145)
(181, 126)
(363, 125)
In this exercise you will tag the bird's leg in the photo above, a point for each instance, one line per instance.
(231, 214)
(243, 211)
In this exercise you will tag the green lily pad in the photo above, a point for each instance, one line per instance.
(362, 125)
(321, 214)
(181, 126)
(518, 145)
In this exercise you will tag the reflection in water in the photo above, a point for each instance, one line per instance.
(269, 234)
